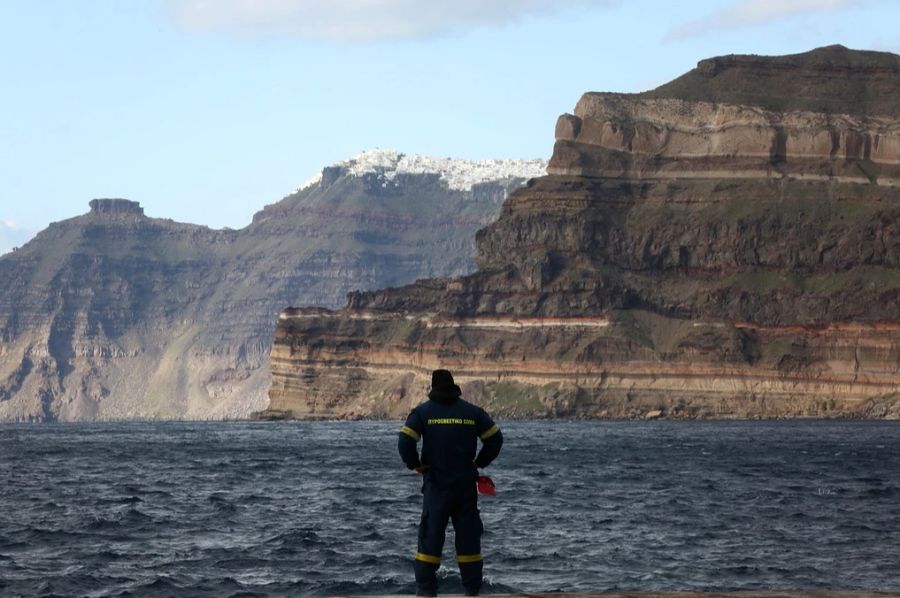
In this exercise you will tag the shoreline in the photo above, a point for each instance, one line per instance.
(536, 418)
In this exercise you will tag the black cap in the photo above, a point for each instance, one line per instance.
(442, 380)
(443, 389)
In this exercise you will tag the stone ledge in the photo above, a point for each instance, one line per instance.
(742, 594)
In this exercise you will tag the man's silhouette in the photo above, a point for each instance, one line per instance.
(449, 428)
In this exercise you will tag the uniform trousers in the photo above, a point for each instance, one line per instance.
(455, 501)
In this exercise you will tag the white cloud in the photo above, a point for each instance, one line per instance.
(747, 13)
(358, 21)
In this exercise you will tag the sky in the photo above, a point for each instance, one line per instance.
(204, 111)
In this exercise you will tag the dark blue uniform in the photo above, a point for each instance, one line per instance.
(449, 428)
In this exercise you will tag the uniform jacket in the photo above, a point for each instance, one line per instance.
(449, 428)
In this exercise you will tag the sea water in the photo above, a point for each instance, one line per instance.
(294, 509)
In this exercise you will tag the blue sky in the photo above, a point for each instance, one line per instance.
(206, 110)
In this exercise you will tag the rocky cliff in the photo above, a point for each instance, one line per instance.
(726, 245)
(115, 315)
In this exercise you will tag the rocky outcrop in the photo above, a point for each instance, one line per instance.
(116, 208)
(116, 315)
(617, 137)
(723, 246)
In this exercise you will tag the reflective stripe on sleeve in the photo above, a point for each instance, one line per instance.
(411, 433)
(489, 432)
(468, 558)
(427, 558)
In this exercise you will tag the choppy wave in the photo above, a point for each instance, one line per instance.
(318, 509)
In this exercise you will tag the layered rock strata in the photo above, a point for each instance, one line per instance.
(116, 315)
(726, 245)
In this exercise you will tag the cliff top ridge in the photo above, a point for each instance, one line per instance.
(831, 79)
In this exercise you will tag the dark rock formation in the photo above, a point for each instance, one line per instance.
(114, 315)
(725, 245)
(116, 207)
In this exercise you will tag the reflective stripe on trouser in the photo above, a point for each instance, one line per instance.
(439, 506)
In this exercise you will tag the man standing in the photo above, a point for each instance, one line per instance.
(449, 428)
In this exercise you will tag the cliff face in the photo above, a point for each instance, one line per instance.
(726, 245)
(114, 315)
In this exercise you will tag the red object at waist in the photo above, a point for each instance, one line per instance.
(485, 485)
